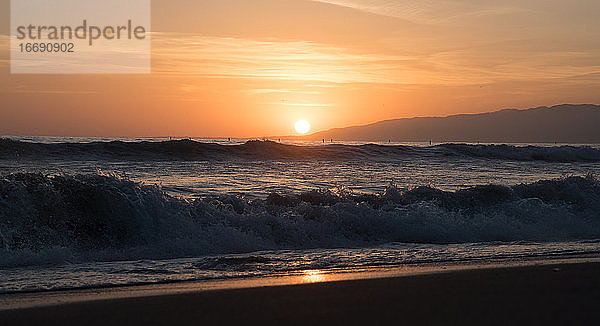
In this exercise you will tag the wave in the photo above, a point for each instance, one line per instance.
(74, 218)
(267, 150)
(526, 153)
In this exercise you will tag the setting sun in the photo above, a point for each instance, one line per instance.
(302, 127)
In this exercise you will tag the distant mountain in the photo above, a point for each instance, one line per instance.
(565, 123)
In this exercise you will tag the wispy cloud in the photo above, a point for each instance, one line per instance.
(307, 105)
(431, 11)
(315, 63)
(41, 91)
(282, 91)
(187, 54)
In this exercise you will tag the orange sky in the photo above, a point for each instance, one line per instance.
(235, 68)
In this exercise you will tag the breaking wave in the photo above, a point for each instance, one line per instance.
(75, 218)
(266, 150)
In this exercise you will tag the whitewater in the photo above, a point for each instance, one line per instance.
(108, 212)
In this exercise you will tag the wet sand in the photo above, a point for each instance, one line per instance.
(523, 295)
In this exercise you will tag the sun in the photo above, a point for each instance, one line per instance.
(302, 126)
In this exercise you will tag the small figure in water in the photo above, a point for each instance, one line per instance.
(323, 140)
(430, 143)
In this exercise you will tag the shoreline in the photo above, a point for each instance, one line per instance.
(564, 277)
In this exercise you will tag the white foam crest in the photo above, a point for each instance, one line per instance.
(56, 219)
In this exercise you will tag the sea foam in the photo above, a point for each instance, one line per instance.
(74, 218)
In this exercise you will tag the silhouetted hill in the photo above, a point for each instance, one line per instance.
(565, 123)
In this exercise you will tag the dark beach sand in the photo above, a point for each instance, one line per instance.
(564, 294)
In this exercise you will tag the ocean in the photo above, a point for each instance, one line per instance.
(98, 212)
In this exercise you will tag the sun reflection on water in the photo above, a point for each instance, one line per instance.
(313, 276)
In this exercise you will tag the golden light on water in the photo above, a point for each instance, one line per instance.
(313, 276)
(302, 127)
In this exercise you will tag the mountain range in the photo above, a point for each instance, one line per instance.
(566, 123)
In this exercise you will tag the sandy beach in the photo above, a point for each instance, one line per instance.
(533, 295)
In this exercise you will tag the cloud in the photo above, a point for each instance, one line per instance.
(312, 62)
(430, 11)
(197, 55)
(282, 91)
(307, 105)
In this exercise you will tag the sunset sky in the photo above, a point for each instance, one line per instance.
(240, 68)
